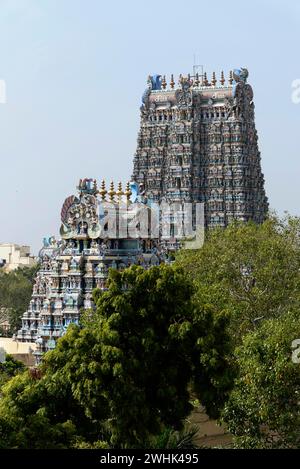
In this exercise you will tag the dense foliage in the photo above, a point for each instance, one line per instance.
(124, 377)
(15, 293)
(252, 272)
(264, 407)
(9, 368)
(220, 324)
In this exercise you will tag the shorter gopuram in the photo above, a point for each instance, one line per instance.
(100, 230)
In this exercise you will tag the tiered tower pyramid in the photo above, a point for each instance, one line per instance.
(198, 143)
(94, 237)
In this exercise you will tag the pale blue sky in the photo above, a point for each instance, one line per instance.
(75, 71)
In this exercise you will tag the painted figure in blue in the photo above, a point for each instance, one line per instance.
(240, 75)
(134, 192)
(154, 84)
(46, 242)
(155, 81)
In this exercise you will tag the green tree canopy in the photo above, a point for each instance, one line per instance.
(15, 293)
(9, 368)
(250, 271)
(264, 406)
(125, 376)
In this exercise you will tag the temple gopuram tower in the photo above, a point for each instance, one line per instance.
(198, 143)
(98, 232)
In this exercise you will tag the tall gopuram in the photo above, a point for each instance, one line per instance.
(99, 231)
(198, 143)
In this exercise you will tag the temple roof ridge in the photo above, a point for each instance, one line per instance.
(159, 83)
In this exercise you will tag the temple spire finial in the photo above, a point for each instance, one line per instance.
(128, 192)
(205, 79)
(103, 190)
(214, 80)
(222, 81)
(111, 191)
(119, 192)
(172, 82)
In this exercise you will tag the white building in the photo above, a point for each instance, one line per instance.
(15, 256)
